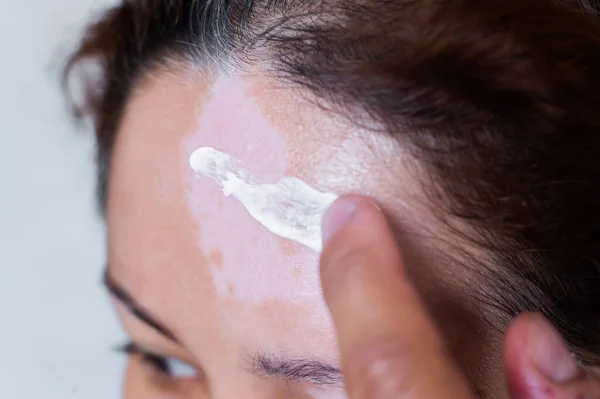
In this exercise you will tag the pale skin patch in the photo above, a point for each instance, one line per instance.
(166, 227)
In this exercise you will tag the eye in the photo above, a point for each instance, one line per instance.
(169, 366)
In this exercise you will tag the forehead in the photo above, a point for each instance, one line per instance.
(191, 254)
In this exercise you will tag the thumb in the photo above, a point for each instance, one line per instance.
(389, 345)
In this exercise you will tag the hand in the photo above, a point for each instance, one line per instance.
(389, 345)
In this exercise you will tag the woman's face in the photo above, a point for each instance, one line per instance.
(234, 310)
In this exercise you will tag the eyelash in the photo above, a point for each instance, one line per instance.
(158, 363)
(168, 367)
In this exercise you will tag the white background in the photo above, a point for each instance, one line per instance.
(57, 330)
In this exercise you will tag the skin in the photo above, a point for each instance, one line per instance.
(225, 290)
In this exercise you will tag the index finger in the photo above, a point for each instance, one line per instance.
(389, 345)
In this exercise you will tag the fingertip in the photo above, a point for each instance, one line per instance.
(537, 359)
(343, 211)
(360, 215)
(352, 226)
(337, 216)
(514, 356)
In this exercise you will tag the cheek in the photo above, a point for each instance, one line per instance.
(137, 385)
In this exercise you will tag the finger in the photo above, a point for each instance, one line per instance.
(390, 347)
(539, 364)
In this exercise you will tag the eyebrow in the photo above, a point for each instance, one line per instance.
(136, 309)
(311, 370)
(261, 364)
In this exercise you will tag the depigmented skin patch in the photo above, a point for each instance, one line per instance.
(289, 208)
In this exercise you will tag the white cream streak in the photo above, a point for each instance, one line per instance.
(289, 208)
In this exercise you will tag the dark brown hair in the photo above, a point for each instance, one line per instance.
(498, 99)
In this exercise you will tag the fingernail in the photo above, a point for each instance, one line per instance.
(549, 352)
(337, 216)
